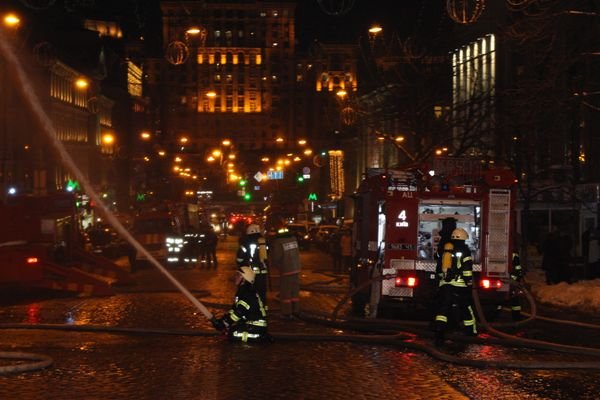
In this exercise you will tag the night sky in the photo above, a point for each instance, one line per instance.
(315, 19)
(329, 21)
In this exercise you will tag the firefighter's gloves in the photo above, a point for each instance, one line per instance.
(219, 324)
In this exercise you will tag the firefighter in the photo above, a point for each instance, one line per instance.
(246, 321)
(284, 255)
(516, 275)
(448, 226)
(252, 252)
(455, 277)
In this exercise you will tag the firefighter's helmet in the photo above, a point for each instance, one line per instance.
(247, 273)
(459, 234)
(252, 228)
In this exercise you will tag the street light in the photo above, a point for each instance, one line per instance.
(11, 20)
(82, 83)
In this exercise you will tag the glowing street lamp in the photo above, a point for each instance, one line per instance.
(375, 30)
(11, 20)
(108, 139)
(82, 83)
(193, 31)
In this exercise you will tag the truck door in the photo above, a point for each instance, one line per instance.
(498, 233)
(400, 242)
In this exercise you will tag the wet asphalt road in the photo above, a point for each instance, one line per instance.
(186, 359)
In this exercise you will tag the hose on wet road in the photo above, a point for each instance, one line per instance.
(402, 333)
(38, 361)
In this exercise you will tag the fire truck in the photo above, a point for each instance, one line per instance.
(40, 248)
(398, 215)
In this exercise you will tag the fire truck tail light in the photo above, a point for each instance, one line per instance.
(407, 281)
(32, 260)
(490, 283)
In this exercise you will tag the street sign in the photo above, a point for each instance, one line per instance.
(259, 176)
(275, 174)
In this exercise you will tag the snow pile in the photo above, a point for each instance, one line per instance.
(583, 295)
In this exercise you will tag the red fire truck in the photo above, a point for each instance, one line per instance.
(40, 248)
(398, 217)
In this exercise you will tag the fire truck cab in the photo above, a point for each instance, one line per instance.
(397, 221)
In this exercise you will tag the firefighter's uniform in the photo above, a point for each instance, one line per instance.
(285, 256)
(247, 319)
(455, 275)
(517, 276)
(253, 253)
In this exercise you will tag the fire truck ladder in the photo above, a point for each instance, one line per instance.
(58, 277)
(102, 266)
(498, 233)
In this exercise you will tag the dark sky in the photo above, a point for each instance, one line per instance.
(405, 17)
(328, 21)
(316, 19)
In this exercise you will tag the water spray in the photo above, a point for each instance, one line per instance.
(48, 128)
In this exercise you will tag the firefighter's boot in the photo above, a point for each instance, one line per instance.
(439, 338)
(516, 315)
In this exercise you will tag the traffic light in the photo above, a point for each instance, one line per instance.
(243, 182)
(299, 179)
(247, 197)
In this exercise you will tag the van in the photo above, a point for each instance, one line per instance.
(161, 234)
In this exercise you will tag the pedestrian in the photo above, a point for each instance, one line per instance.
(346, 250)
(591, 252)
(336, 250)
(566, 247)
(252, 252)
(284, 254)
(552, 256)
(246, 321)
(212, 241)
(455, 282)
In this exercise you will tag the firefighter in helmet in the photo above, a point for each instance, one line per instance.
(252, 252)
(246, 321)
(455, 277)
(516, 276)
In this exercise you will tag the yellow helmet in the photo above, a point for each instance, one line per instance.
(247, 273)
(459, 234)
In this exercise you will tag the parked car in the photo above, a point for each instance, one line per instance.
(102, 239)
(322, 234)
(301, 232)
